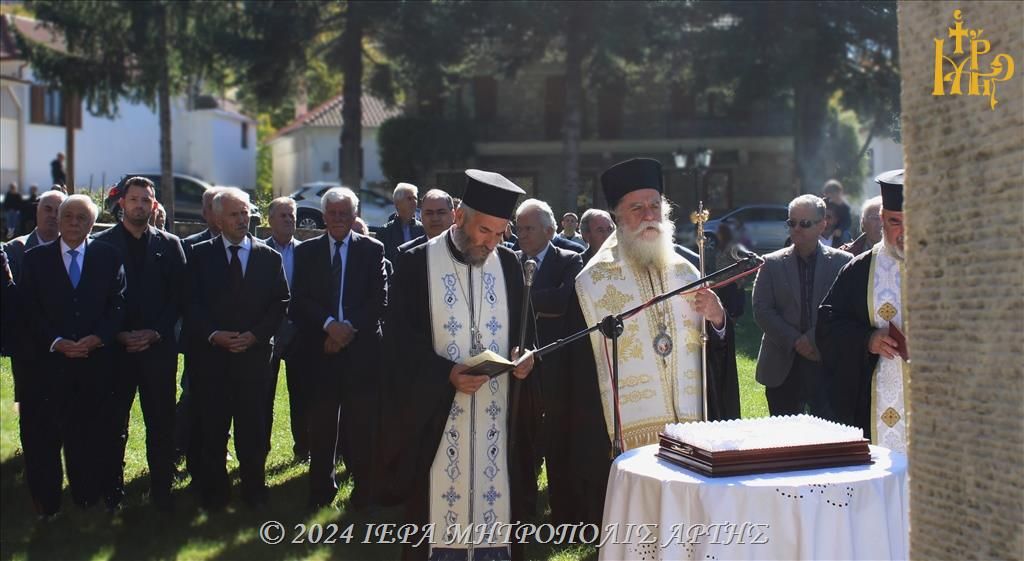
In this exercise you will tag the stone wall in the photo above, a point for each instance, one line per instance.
(965, 288)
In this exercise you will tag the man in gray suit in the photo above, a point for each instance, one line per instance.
(787, 292)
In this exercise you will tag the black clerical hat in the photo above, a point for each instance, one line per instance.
(628, 176)
(491, 193)
(891, 185)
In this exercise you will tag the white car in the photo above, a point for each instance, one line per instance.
(373, 207)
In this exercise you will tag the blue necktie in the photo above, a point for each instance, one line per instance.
(74, 271)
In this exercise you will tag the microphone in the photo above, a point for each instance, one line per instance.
(739, 253)
(529, 269)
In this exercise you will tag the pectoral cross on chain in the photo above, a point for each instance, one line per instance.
(476, 344)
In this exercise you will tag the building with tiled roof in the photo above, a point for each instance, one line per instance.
(307, 149)
(211, 139)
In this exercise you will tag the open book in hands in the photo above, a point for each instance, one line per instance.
(491, 364)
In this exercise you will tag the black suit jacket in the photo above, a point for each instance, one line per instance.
(391, 236)
(213, 304)
(188, 242)
(413, 243)
(362, 300)
(16, 249)
(54, 308)
(161, 287)
(553, 288)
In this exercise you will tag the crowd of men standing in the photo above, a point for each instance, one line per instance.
(107, 315)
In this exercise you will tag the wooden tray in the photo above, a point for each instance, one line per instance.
(767, 460)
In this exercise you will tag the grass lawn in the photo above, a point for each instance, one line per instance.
(140, 532)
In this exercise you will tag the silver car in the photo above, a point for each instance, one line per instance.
(761, 227)
(373, 207)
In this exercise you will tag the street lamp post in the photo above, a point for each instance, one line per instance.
(695, 164)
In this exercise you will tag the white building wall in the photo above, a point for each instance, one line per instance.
(886, 154)
(204, 143)
(311, 154)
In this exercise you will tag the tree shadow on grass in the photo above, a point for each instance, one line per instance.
(139, 531)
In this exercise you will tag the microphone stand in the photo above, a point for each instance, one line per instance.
(611, 327)
(529, 271)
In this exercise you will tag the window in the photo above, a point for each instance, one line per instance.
(185, 190)
(245, 136)
(47, 108)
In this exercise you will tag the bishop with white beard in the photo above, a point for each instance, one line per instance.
(659, 351)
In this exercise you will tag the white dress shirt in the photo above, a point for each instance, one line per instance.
(344, 263)
(243, 252)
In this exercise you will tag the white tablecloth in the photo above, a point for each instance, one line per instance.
(857, 512)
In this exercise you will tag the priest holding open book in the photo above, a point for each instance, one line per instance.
(448, 452)
(860, 332)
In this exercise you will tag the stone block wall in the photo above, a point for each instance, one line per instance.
(964, 211)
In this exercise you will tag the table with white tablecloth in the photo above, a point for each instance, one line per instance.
(854, 512)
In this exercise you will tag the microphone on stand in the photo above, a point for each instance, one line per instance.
(739, 253)
(529, 270)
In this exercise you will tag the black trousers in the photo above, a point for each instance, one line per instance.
(62, 409)
(230, 388)
(295, 378)
(342, 393)
(557, 442)
(801, 392)
(152, 374)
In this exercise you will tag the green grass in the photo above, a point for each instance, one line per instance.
(140, 532)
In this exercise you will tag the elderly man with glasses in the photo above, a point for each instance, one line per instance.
(787, 292)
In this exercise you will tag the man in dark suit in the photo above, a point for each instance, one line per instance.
(787, 292)
(187, 431)
(552, 290)
(71, 296)
(404, 226)
(438, 212)
(339, 297)
(238, 294)
(146, 353)
(282, 216)
(46, 230)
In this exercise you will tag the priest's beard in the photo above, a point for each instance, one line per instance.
(895, 250)
(475, 255)
(645, 248)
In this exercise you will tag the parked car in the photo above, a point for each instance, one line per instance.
(188, 198)
(374, 208)
(762, 228)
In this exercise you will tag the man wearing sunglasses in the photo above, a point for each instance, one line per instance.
(786, 295)
(861, 331)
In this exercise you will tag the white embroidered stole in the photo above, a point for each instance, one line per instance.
(469, 481)
(889, 385)
(653, 390)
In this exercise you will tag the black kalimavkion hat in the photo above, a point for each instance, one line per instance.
(631, 175)
(491, 193)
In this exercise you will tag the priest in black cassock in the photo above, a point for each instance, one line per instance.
(859, 332)
(659, 352)
(446, 446)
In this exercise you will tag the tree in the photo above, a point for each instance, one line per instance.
(273, 43)
(807, 51)
(144, 51)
